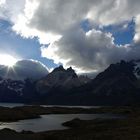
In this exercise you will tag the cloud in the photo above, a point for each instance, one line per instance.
(24, 69)
(56, 23)
(91, 51)
(2, 2)
(48, 20)
(10, 10)
(56, 16)
(137, 29)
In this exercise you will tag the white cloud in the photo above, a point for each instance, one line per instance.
(10, 9)
(57, 23)
(47, 20)
(114, 11)
(2, 2)
(54, 17)
(86, 52)
(59, 15)
(137, 29)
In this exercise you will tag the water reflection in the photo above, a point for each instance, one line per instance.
(52, 122)
(10, 105)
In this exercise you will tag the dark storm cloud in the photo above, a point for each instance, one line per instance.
(24, 69)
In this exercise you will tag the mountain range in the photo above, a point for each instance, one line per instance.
(119, 84)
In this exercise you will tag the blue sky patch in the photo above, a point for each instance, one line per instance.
(15, 45)
(123, 33)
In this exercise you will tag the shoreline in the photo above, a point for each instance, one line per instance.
(32, 112)
(97, 129)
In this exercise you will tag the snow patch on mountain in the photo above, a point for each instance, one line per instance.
(137, 69)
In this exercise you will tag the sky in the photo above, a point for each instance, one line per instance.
(88, 35)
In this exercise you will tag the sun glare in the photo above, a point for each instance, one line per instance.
(7, 60)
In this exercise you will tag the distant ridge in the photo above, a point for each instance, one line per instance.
(119, 84)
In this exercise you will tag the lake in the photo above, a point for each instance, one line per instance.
(52, 122)
(10, 105)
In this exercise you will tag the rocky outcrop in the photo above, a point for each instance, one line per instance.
(60, 78)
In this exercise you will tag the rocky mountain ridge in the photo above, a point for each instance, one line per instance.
(119, 84)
